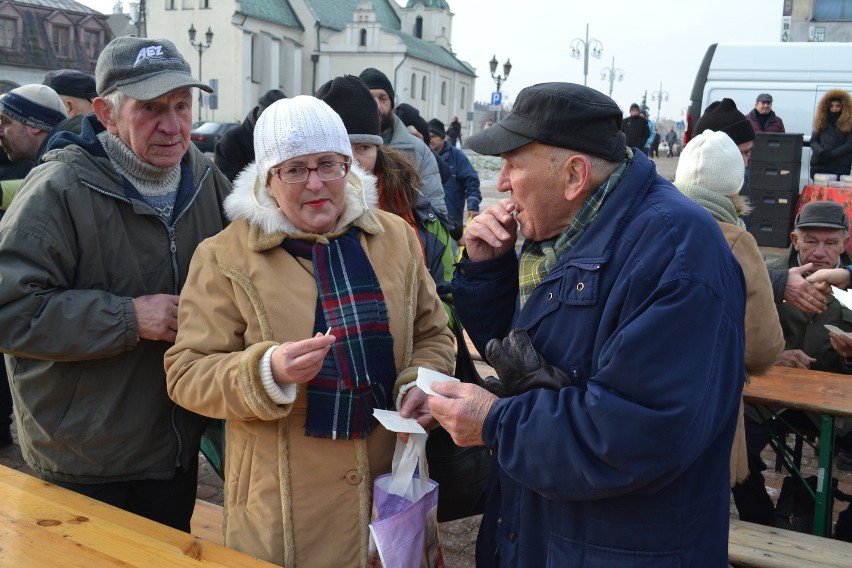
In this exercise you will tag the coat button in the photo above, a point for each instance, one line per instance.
(549, 296)
(580, 286)
(512, 537)
(353, 477)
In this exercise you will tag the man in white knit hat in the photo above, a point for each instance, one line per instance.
(95, 250)
(27, 115)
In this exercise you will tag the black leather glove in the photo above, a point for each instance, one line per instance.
(520, 367)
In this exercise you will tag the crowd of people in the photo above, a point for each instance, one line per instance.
(297, 281)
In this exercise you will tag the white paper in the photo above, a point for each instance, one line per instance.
(392, 421)
(835, 329)
(425, 378)
(842, 296)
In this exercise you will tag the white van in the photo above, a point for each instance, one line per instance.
(797, 75)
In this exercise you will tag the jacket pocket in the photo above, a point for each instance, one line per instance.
(82, 406)
(240, 468)
(563, 552)
(580, 284)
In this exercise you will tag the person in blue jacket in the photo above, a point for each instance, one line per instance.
(462, 187)
(618, 341)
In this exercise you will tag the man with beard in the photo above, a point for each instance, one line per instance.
(396, 135)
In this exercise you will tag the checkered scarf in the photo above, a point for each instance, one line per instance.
(539, 257)
(359, 373)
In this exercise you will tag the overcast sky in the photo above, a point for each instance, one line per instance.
(654, 42)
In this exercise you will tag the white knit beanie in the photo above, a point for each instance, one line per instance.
(290, 128)
(711, 161)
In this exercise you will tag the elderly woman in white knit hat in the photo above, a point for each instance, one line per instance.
(306, 251)
(710, 172)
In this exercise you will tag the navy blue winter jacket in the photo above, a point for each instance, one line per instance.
(463, 184)
(628, 466)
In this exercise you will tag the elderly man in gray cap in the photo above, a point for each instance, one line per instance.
(617, 338)
(95, 250)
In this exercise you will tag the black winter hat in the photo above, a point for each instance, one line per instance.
(71, 83)
(723, 116)
(410, 116)
(436, 127)
(375, 79)
(349, 97)
(270, 97)
(565, 115)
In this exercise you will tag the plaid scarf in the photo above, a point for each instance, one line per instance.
(359, 372)
(539, 258)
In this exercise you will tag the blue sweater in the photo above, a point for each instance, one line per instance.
(628, 466)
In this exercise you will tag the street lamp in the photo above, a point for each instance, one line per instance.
(595, 46)
(507, 67)
(612, 74)
(659, 96)
(201, 48)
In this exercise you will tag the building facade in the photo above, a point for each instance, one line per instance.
(817, 20)
(37, 36)
(297, 45)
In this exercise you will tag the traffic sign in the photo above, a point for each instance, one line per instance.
(497, 98)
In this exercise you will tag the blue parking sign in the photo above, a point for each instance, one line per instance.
(496, 98)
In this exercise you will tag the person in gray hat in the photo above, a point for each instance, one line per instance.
(762, 117)
(819, 242)
(95, 250)
(617, 340)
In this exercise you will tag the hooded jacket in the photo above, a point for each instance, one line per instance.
(831, 143)
(76, 246)
(292, 499)
(629, 466)
(424, 159)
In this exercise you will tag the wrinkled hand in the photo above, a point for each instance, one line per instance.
(156, 317)
(520, 367)
(463, 413)
(842, 344)
(795, 358)
(825, 278)
(801, 293)
(492, 233)
(297, 362)
(415, 404)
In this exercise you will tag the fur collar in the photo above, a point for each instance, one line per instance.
(268, 226)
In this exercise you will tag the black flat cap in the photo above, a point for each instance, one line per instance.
(71, 83)
(565, 115)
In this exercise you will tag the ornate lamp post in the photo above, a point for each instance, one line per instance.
(613, 74)
(201, 48)
(507, 67)
(592, 44)
(659, 96)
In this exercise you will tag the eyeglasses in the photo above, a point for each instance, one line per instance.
(327, 171)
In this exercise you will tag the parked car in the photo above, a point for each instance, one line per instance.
(208, 134)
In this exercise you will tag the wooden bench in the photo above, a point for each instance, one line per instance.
(206, 522)
(755, 545)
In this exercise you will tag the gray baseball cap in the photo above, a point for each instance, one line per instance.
(143, 68)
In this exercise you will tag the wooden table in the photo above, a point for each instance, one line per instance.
(826, 394)
(43, 525)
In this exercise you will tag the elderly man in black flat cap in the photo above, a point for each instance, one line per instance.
(617, 338)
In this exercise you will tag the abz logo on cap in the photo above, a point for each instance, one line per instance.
(151, 52)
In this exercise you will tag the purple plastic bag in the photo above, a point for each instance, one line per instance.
(404, 531)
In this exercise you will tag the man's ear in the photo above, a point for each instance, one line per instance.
(70, 106)
(794, 240)
(103, 112)
(578, 176)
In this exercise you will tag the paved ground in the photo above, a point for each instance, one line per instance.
(459, 537)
